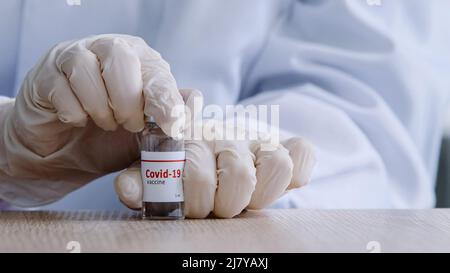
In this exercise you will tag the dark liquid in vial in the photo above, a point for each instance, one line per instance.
(163, 210)
(153, 139)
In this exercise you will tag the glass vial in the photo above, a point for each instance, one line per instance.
(162, 165)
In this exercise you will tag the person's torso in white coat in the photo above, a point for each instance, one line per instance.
(365, 84)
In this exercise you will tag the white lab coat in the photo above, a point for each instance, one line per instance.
(366, 84)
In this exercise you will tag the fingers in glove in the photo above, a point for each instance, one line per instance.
(273, 172)
(67, 105)
(82, 70)
(162, 99)
(236, 178)
(304, 159)
(121, 72)
(199, 179)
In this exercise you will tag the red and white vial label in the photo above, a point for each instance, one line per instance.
(162, 176)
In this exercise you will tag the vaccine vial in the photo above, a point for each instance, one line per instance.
(162, 165)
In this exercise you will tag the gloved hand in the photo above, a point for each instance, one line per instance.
(75, 116)
(226, 177)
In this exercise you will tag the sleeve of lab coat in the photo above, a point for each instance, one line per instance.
(366, 85)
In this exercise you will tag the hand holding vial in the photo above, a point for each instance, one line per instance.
(221, 177)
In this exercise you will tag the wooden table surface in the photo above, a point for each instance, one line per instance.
(264, 231)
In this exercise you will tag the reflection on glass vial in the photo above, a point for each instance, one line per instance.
(162, 165)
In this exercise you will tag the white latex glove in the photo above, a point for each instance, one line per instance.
(226, 177)
(74, 117)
